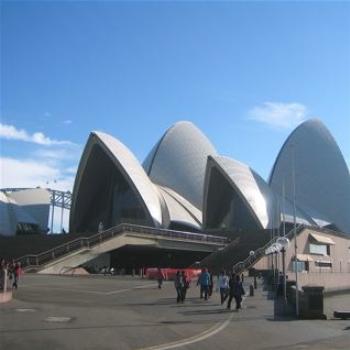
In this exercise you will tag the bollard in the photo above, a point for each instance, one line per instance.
(251, 290)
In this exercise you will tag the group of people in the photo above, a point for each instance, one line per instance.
(230, 287)
(12, 270)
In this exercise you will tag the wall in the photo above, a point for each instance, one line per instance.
(335, 278)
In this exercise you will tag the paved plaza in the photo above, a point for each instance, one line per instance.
(122, 313)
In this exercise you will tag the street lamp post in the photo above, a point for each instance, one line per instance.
(251, 255)
(284, 243)
(275, 249)
(295, 235)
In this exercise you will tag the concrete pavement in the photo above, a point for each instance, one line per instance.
(55, 312)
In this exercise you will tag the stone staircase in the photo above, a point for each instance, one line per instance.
(35, 261)
(236, 256)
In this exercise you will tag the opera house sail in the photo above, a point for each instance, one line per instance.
(184, 184)
(236, 197)
(322, 179)
(178, 161)
(111, 187)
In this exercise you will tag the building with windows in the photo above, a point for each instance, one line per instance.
(322, 259)
(24, 211)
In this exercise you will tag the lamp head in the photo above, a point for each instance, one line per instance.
(283, 242)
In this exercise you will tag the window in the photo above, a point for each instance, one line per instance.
(300, 266)
(321, 249)
(323, 264)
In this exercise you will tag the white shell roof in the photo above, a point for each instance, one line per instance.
(252, 188)
(287, 213)
(267, 206)
(130, 167)
(321, 175)
(178, 161)
(178, 211)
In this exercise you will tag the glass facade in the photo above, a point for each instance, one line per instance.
(106, 196)
(226, 210)
(24, 228)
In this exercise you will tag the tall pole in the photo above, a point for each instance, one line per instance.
(284, 275)
(62, 208)
(283, 208)
(295, 237)
(52, 211)
(283, 249)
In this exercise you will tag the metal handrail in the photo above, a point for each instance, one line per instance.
(88, 242)
(251, 259)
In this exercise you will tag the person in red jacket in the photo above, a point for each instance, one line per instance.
(16, 274)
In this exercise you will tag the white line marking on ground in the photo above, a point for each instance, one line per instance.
(57, 319)
(94, 291)
(70, 289)
(129, 289)
(218, 327)
(25, 310)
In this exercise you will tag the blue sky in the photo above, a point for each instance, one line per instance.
(246, 73)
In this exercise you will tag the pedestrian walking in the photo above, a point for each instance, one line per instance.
(199, 284)
(160, 277)
(204, 282)
(178, 283)
(186, 285)
(16, 275)
(223, 286)
(236, 291)
(211, 284)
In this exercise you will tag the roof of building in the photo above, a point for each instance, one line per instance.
(178, 161)
(311, 156)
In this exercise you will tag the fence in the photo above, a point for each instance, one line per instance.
(88, 242)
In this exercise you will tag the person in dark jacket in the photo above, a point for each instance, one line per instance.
(160, 277)
(185, 285)
(179, 285)
(211, 284)
(236, 291)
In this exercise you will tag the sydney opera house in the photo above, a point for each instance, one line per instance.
(184, 184)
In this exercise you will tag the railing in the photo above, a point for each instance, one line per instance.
(259, 253)
(32, 260)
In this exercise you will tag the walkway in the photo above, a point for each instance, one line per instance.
(125, 313)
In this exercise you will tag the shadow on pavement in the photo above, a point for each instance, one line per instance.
(207, 312)
(280, 319)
